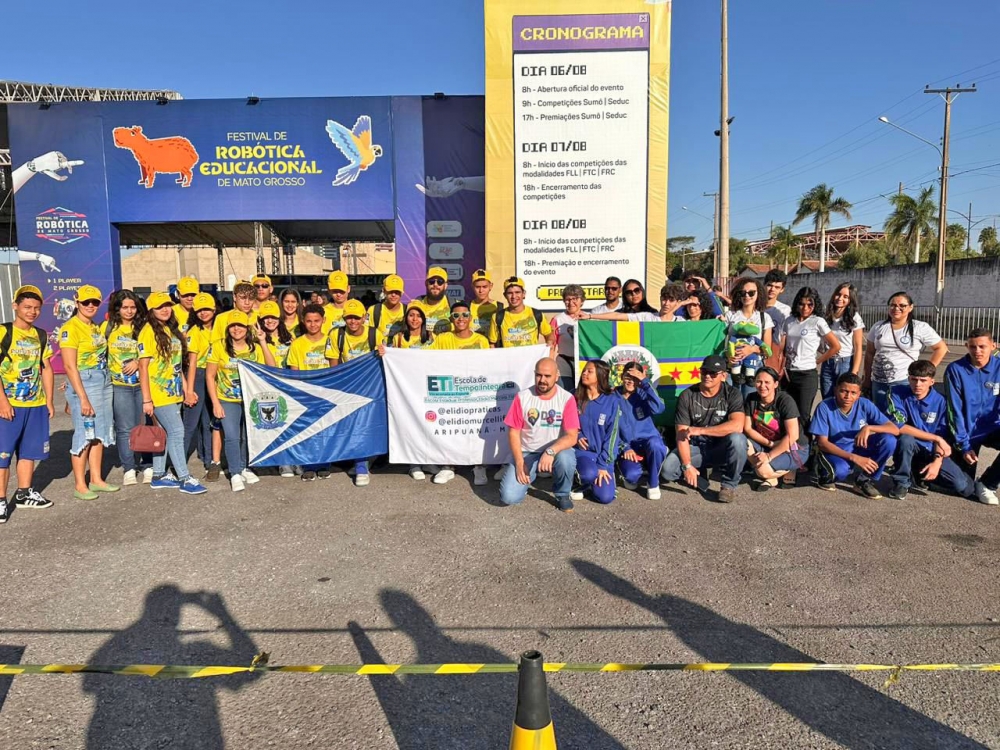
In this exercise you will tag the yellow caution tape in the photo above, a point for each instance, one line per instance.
(260, 664)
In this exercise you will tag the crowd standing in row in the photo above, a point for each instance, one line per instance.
(176, 363)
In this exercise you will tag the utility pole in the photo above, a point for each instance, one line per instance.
(901, 188)
(968, 235)
(948, 95)
(715, 232)
(723, 267)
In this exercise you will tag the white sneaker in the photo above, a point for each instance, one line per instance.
(288, 471)
(147, 475)
(576, 495)
(237, 483)
(417, 473)
(129, 478)
(479, 476)
(499, 473)
(444, 476)
(249, 477)
(653, 493)
(361, 480)
(629, 485)
(985, 495)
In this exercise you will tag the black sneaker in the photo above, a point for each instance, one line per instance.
(4, 511)
(867, 488)
(898, 492)
(308, 476)
(31, 498)
(323, 474)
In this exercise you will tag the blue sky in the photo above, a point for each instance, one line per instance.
(808, 80)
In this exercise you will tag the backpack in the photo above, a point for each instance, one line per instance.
(8, 339)
(499, 321)
(341, 339)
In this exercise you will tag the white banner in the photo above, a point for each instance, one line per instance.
(448, 407)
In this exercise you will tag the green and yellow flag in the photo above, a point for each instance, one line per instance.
(673, 352)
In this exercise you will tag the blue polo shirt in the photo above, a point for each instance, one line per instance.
(928, 414)
(841, 429)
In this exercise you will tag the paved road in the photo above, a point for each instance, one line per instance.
(405, 571)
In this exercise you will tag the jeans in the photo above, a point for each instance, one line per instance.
(197, 421)
(880, 393)
(830, 469)
(97, 385)
(728, 454)
(829, 371)
(513, 492)
(587, 468)
(169, 417)
(234, 436)
(802, 386)
(127, 406)
(790, 460)
(911, 457)
(653, 452)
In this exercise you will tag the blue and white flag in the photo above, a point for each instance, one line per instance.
(304, 417)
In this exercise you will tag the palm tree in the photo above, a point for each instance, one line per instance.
(785, 245)
(820, 203)
(911, 219)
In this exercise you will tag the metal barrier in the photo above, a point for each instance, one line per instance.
(954, 324)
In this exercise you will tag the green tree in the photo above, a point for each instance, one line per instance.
(739, 256)
(677, 248)
(867, 255)
(909, 221)
(785, 248)
(988, 243)
(819, 204)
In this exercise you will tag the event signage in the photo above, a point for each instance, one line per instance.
(576, 160)
(448, 407)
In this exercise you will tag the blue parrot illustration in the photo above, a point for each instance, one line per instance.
(356, 145)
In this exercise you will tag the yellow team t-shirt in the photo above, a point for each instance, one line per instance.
(165, 386)
(227, 374)
(199, 342)
(449, 341)
(438, 314)
(280, 352)
(399, 341)
(390, 322)
(122, 349)
(519, 329)
(222, 322)
(304, 354)
(20, 372)
(333, 317)
(89, 342)
(353, 346)
(482, 316)
(183, 315)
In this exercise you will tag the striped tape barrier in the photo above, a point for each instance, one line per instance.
(260, 664)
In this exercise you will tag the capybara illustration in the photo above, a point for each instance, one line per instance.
(173, 155)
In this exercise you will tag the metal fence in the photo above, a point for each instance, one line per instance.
(954, 324)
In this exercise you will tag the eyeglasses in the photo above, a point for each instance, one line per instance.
(457, 315)
(898, 307)
(262, 286)
(90, 302)
(634, 290)
(436, 281)
(577, 297)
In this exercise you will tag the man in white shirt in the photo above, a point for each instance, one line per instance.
(774, 285)
(612, 296)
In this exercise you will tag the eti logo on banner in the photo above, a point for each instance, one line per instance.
(62, 226)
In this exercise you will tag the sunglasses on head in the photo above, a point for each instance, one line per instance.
(457, 315)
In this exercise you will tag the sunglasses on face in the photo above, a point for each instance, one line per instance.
(89, 302)
(435, 281)
(457, 315)
(634, 290)
(612, 288)
(898, 307)
(713, 374)
(262, 286)
(748, 293)
(188, 296)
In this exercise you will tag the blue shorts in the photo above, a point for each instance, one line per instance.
(27, 435)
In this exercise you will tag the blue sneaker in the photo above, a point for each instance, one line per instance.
(191, 486)
(166, 482)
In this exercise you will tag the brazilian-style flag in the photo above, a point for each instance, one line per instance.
(671, 351)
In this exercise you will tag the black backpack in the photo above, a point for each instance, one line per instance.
(341, 339)
(499, 320)
(8, 339)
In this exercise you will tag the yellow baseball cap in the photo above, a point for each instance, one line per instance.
(354, 308)
(204, 301)
(268, 309)
(88, 292)
(237, 318)
(437, 271)
(261, 277)
(188, 285)
(393, 283)
(513, 281)
(157, 300)
(28, 289)
(481, 274)
(337, 280)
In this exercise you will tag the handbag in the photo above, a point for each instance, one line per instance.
(146, 438)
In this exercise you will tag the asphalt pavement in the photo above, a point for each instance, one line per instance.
(405, 571)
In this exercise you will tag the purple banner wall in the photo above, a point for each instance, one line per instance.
(408, 172)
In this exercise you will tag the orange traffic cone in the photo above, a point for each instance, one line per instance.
(532, 721)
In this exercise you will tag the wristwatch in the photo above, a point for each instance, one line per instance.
(549, 452)
(685, 467)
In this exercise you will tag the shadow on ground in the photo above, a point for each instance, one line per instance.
(471, 712)
(834, 704)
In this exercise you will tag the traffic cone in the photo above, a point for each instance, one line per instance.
(532, 721)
